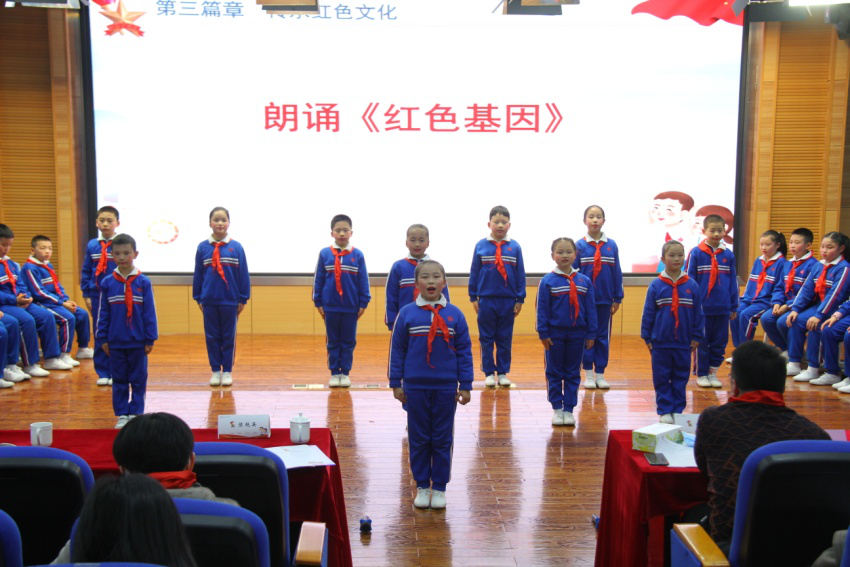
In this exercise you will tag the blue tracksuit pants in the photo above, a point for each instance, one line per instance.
(341, 332)
(496, 327)
(744, 326)
(68, 323)
(830, 338)
(128, 368)
(220, 331)
(775, 328)
(11, 354)
(597, 357)
(712, 351)
(430, 435)
(101, 361)
(797, 338)
(670, 371)
(563, 370)
(36, 324)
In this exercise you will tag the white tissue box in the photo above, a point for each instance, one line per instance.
(648, 438)
(243, 426)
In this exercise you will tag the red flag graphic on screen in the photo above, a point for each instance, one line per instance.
(703, 12)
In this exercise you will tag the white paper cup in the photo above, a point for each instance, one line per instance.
(41, 434)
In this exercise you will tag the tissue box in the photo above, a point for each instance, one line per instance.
(243, 426)
(648, 438)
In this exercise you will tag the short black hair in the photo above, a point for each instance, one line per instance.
(713, 218)
(341, 218)
(6, 232)
(123, 239)
(212, 212)
(419, 268)
(669, 244)
(108, 209)
(587, 210)
(500, 210)
(758, 366)
(808, 235)
(38, 238)
(419, 227)
(154, 442)
(563, 239)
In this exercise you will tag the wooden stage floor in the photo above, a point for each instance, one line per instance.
(522, 490)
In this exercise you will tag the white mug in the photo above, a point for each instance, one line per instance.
(41, 434)
(299, 429)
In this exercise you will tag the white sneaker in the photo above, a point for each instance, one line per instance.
(6, 383)
(569, 418)
(589, 380)
(66, 358)
(110, 381)
(438, 499)
(103, 381)
(729, 360)
(703, 382)
(56, 364)
(490, 381)
(423, 498)
(845, 382)
(344, 381)
(16, 372)
(666, 418)
(122, 421)
(807, 375)
(713, 380)
(845, 389)
(601, 382)
(558, 417)
(505, 382)
(216, 378)
(10, 376)
(792, 369)
(36, 371)
(85, 352)
(826, 380)
(226, 378)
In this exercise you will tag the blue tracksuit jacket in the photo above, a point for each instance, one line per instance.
(354, 279)
(608, 287)
(801, 272)
(723, 299)
(207, 286)
(485, 279)
(658, 325)
(401, 287)
(554, 311)
(112, 324)
(89, 283)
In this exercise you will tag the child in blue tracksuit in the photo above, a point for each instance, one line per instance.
(712, 266)
(430, 370)
(48, 292)
(10, 346)
(766, 273)
(401, 285)
(126, 327)
(672, 327)
(791, 279)
(827, 286)
(599, 259)
(341, 294)
(97, 264)
(497, 292)
(567, 326)
(221, 286)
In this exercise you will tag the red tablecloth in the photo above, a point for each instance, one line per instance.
(633, 491)
(315, 494)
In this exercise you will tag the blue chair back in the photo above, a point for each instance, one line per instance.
(104, 564)
(43, 490)
(256, 478)
(222, 535)
(792, 496)
(11, 552)
(845, 558)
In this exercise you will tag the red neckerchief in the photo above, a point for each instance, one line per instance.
(437, 322)
(597, 257)
(338, 267)
(820, 285)
(10, 275)
(667, 237)
(104, 258)
(500, 264)
(713, 253)
(573, 293)
(761, 397)
(674, 305)
(763, 274)
(789, 283)
(47, 267)
(414, 262)
(216, 261)
(175, 479)
(128, 291)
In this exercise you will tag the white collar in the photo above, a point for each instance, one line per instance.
(806, 256)
(349, 247)
(721, 246)
(772, 258)
(417, 260)
(5, 258)
(834, 262)
(491, 239)
(421, 302)
(134, 272)
(602, 238)
(563, 273)
(212, 240)
(35, 260)
(681, 275)
(102, 239)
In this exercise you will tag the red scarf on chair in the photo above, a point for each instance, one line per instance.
(104, 258)
(674, 305)
(10, 275)
(597, 258)
(175, 479)
(713, 253)
(437, 322)
(500, 264)
(128, 291)
(216, 261)
(763, 274)
(574, 302)
(338, 267)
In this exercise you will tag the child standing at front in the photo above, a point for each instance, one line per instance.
(567, 326)
(497, 292)
(712, 266)
(222, 287)
(672, 334)
(341, 294)
(126, 327)
(599, 258)
(430, 371)
(758, 294)
(401, 285)
(97, 264)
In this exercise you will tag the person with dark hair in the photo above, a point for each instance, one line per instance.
(131, 518)
(754, 416)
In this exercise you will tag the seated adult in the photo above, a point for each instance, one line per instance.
(131, 518)
(754, 416)
(161, 446)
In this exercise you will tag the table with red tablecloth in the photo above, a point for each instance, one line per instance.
(633, 492)
(315, 493)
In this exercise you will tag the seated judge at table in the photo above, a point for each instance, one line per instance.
(754, 416)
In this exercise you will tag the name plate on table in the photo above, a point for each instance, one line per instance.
(244, 426)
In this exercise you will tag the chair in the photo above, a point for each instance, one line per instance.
(11, 553)
(792, 496)
(257, 480)
(43, 490)
(222, 535)
(104, 564)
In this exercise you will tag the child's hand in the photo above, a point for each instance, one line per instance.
(812, 324)
(614, 308)
(776, 309)
(88, 303)
(398, 393)
(517, 309)
(694, 345)
(463, 397)
(105, 348)
(588, 344)
(148, 349)
(475, 306)
(321, 311)
(649, 347)
(359, 312)
(783, 309)
(70, 306)
(832, 320)
(201, 306)
(547, 343)
(24, 301)
(1, 314)
(733, 315)
(790, 319)
(239, 309)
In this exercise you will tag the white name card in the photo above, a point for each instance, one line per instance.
(243, 426)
